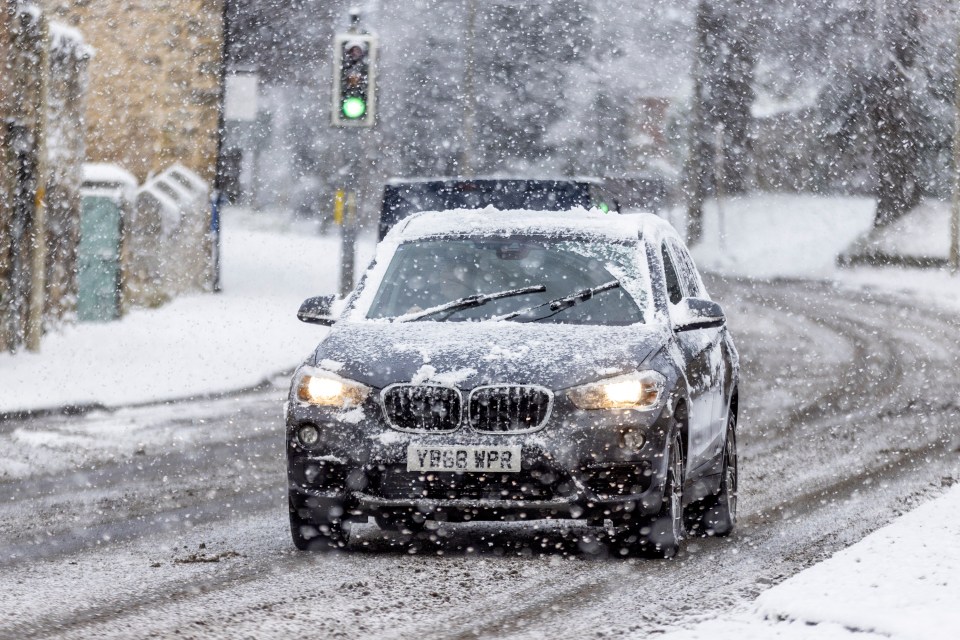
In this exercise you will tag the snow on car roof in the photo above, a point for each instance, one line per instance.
(494, 222)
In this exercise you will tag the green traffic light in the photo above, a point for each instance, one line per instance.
(354, 108)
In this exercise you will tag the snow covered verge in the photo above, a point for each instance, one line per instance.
(197, 344)
(921, 236)
(779, 235)
(900, 582)
(770, 236)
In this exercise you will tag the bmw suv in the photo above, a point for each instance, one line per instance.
(518, 365)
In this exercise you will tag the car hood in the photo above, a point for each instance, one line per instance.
(468, 354)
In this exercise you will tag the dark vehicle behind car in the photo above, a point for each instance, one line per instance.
(402, 197)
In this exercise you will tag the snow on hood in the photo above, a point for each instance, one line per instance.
(469, 354)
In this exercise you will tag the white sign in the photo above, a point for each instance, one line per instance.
(240, 101)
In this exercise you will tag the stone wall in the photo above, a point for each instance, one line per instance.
(20, 157)
(9, 313)
(154, 82)
(40, 161)
(66, 92)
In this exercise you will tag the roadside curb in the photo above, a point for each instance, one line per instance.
(882, 259)
(21, 415)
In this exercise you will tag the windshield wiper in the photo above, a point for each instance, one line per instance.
(559, 304)
(476, 300)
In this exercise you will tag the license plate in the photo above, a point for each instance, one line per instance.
(467, 459)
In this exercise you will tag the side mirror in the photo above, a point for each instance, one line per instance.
(317, 311)
(697, 313)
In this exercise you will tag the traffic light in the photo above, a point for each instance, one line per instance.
(354, 79)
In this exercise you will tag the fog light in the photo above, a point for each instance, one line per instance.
(308, 435)
(633, 439)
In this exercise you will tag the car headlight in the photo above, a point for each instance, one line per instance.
(642, 390)
(327, 389)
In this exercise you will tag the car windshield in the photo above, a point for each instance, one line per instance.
(425, 274)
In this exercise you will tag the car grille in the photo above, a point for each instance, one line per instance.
(509, 408)
(396, 483)
(421, 407)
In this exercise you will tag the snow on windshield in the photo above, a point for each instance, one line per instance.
(428, 273)
(608, 240)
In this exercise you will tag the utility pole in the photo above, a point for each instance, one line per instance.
(955, 213)
(720, 177)
(38, 228)
(469, 95)
(696, 169)
(217, 198)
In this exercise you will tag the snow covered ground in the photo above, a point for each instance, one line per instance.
(901, 582)
(198, 344)
(800, 236)
(924, 233)
(779, 235)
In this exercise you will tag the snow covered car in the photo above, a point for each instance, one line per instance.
(519, 365)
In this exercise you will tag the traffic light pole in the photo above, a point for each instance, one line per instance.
(348, 244)
(354, 104)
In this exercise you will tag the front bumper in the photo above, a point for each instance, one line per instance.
(577, 466)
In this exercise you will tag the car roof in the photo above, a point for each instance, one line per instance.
(494, 222)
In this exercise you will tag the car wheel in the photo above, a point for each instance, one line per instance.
(661, 535)
(716, 515)
(314, 531)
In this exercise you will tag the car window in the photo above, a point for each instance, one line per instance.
(674, 290)
(426, 273)
(687, 271)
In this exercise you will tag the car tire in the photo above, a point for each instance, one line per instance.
(318, 531)
(661, 535)
(716, 515)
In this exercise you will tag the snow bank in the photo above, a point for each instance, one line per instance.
(106, 173)
(924, 233)
(779, 235)
(901, 582)
(195, 345)
(801, 236)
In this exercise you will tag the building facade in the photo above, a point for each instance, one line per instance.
(154, 81)
(42, 90)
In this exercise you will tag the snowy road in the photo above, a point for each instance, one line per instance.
(173, 520)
